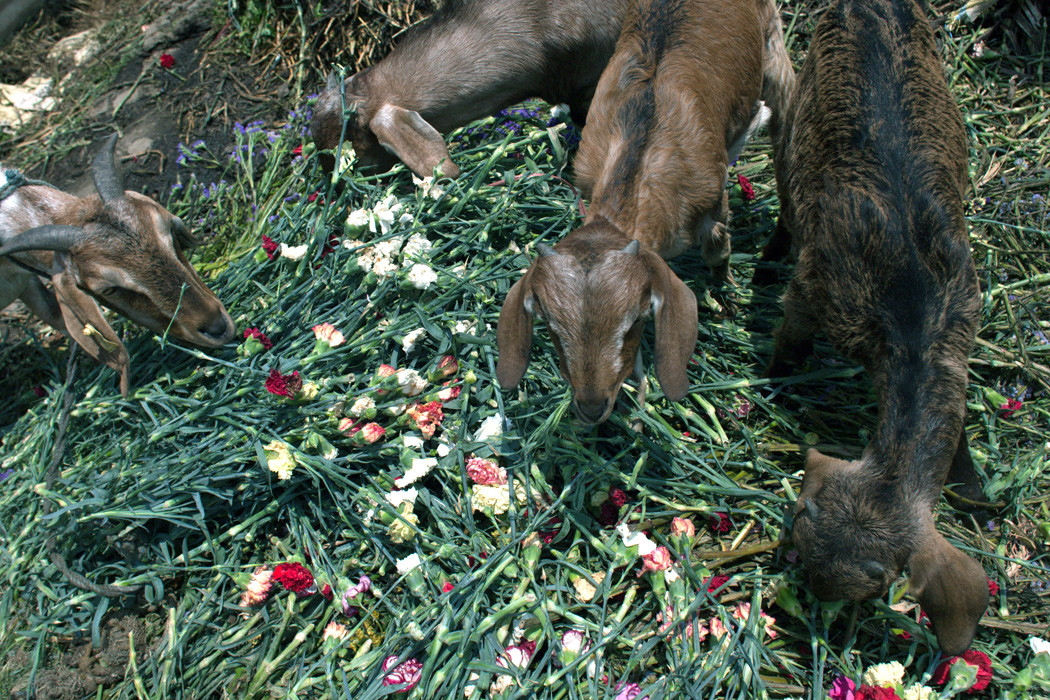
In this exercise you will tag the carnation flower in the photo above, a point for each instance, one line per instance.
(743, 611)
(335, 631)
(682, 527)
(363, 584)
(384, 214)
(293, 252)
(448, 393)
(572, 641)
(270, 247)
(746, 190)
(842, 688)
(410, 382)
(396, 498)
(279, 459)
(517, 655)
(657, 560)
(636, 539)
(417, 247)
(718, 628)
(259, 337)
(407, 673)
(420, 467)
(919, 691)
(491, 427)
(485, 472)
(357, 221)
(167, 61)
(363, 407)
(716, 582)
(371, 433)
(294, 577)
(1039, 645)
(447, 587)
(871, 692)
(427, 416)
(421, 276)
(327, 333)
(495, 498)
(404, 528)
(973, 658)
(284, 384)
(409, 342)
(720, 523)
(446, 367)
(886, 674)
(410, 562)
(628, 691)
(259, 586)
(429, 188)
(618, 497)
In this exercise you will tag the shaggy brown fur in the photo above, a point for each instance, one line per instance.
(471, 59)
(678, 100)
(874, 152)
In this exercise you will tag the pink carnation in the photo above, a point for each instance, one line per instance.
(485, 472)
(407, 673)
(657, 560)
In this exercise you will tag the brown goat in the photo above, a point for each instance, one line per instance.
(874, 152)
(680, 97)
(469, 60)
(121, 249)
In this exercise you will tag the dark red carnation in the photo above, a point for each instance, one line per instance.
(716, 582)
(270, 246)
(1010, 406)
(993, 588)
(294, 577)
(39, 391)
(871, 692)
(746, 190)
(720, 523)
(167, 60)
(284, 384)
(610, 514)
(447, 586)
(258, 335)
(618, 497)
(298, 150)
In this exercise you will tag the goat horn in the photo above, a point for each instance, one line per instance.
(108, 182)
(49, 237)
(333, 81)
(545, 250)
(812, 509)
(633, 247)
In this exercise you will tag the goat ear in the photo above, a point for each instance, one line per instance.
(514, 333)
(412, 140)
(818, 467)
(87, 326)
(676, 327)
(951, 587)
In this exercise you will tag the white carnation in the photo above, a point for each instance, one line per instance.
(919, 692)
(491, 427)
(1039, 645)
(358, 220)
(362, 406)
(411, 339)
(293, 252)
(410, 382)
(421, 276)
(429, 188)
(408, 563)
(639, 539)
(412, 442)
(885, 675)
(417, 246)
(420, 467)
(396, 498)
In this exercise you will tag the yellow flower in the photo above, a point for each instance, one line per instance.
(495, 497)
(279, 460)
(400, 531)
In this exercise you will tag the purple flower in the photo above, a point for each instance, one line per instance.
(628, 691)
(5, 474)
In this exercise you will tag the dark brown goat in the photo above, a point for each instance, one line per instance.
(680, 97)
(874, 152)
(469, 60)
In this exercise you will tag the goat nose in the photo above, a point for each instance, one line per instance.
(591, 411)
(218, 328)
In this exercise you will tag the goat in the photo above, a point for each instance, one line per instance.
(120, 248)
(467, 61)
(676, 104)
(875, 156)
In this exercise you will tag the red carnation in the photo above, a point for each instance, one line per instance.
(870, 692)
(447, 586)
(746, 190)
(270, 246)
(298, 150)
(284, 384)
(167, 60)
(39, 391)
(258, 335)
(720, 523)
(294, 577)
(973, 658)
(618, 497)
(993, 588)
(716, 582)
(1010, 406)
